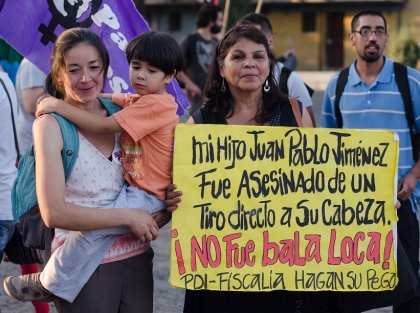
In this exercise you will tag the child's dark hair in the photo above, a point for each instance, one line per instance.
(158, 49)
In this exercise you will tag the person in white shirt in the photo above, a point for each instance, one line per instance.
(29, 87)
(8, 156)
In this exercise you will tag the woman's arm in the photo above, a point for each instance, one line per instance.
(86, 120)
(50, 186)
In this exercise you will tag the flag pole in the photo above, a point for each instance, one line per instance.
(226, 16)
(258, 7)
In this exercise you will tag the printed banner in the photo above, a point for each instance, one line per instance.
(267, 208)
(31, 27)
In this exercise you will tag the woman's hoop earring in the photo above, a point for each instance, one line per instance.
(223, 87)
(266, 86)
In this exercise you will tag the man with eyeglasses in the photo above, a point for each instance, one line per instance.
(371, 100)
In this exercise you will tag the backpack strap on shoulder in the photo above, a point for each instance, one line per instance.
(311, 91)
(71, 137)
(341, 83)
(70, 143)
(109, 106)
(401, 78)
(296, 111)
(283, 78)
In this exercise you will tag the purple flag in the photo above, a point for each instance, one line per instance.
(31, 27)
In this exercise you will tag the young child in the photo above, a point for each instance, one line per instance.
(147, 123)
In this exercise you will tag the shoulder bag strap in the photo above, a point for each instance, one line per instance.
(296, 111)
(13, 118)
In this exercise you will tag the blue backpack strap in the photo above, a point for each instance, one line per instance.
(109, 105)
(23, 190)
(70, 143)
(71, 137)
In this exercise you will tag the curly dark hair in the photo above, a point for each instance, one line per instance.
(221, 103)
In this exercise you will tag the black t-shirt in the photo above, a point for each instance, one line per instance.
(197, 53)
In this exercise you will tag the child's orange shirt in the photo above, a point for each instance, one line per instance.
(148, 139)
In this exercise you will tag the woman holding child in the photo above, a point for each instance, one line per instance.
(123, 282)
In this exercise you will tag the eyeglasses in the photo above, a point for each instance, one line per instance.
(367, 32)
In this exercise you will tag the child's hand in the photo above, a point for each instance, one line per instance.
(47, 105)
(162, 217)
(173, 197)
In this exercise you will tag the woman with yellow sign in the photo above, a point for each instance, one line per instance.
(241, 90)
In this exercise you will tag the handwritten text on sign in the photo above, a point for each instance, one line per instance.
(267, 208)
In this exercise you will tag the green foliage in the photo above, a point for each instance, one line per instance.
(410, 53)
(238, 8)
(403, 46)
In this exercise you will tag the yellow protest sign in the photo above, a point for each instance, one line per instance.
(267, 208)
